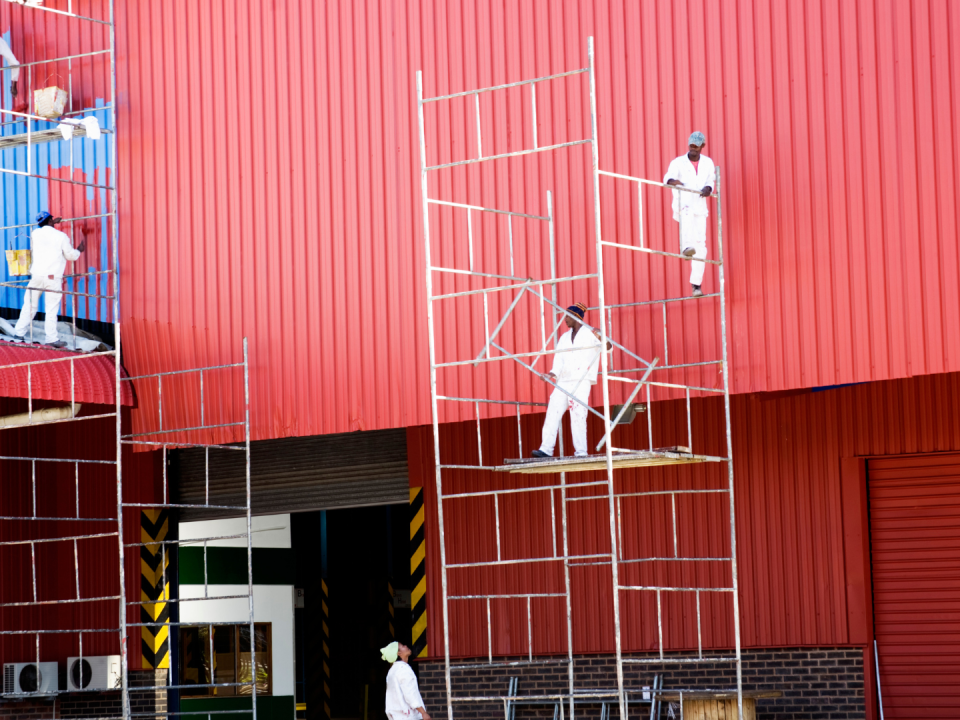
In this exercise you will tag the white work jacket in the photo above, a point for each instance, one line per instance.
(583, 358)
(682, 169)
(49, 251)
(11, 59)
(403, 693)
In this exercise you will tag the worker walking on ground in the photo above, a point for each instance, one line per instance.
(575, 367)
(50, 250)
(692, 170)
(403, 700)
(11, 59)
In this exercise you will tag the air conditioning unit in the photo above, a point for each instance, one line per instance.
(27, 678)
(100, 672)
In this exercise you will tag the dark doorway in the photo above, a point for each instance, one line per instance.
(364, 555)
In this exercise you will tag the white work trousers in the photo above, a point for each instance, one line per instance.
(559, 404)
(51, 291)
(693, 233)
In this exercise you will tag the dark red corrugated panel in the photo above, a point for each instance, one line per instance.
(270, 187)
(915, 538)
(56, 493)
(87, 379)
(790, 524)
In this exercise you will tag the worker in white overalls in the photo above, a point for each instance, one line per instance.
(692, 170)
(11, 59)
(575, 367)
(50, 250)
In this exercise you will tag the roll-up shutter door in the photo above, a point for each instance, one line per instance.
(297, 474)
(915, 547)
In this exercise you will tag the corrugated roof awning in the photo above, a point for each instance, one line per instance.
(93, 375)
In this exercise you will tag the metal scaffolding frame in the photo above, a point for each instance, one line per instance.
(612, 458)
(200, 427)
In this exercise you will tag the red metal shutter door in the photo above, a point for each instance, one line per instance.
(915, 547)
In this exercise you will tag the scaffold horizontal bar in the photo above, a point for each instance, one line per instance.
(58, 519)
(678, 366)
(465, 93)
(163, 714)
(192, 507)
(647, 493)
(651, 251)
(57, 460)
(511, 663)
(504, 597)
(517, 153)
(17, 285)
(65, 358)
(183, 372)
(194, 623)
(473, 273)
(432, 201)
(178, 445)
(199, 428)
(69, 538)
(684, 387)
(492, 402)
(513, 491)
(184, 600)
(58, 632)
(644, 181)
(64, 13)
(192, 541)
(668, 660)
(509, 356)
(633, 561)
(467, 467)
(53, 178)
(675, 589)
(526, 561)
(521, 698)
(517, 286)
(658, 302)
(63, 221)
(73, 601)
(141, 688)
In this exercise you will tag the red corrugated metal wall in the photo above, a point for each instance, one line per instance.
(798, 534)
(97, 559)
(270, 189)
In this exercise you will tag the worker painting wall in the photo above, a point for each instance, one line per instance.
(273, 597)
(35, 37)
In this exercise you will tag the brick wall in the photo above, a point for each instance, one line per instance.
(816, 683)
(87, 706)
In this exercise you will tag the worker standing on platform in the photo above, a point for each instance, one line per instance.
(575, 367)
(50, 250)
(692, 170)
(11, 59)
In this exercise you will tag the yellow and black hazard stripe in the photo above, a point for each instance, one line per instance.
(418, 574)
(325, 610)
(154, 568)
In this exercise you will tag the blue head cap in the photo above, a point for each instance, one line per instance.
(696, 138)
(43, 215)
(579, 309)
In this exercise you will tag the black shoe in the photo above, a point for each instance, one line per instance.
(697, 292)
(539, 454)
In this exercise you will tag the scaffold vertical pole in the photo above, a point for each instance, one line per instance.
(598, 240)
(433, 392)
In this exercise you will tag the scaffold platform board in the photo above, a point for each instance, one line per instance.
(621, 459)
(40, 137)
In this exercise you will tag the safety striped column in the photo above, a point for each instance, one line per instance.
(418, 574)
(390, 627)
(154, 565)
(325, 610)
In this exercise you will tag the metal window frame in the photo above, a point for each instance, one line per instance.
(522, 286)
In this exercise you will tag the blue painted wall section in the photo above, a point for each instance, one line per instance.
(23, 197)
